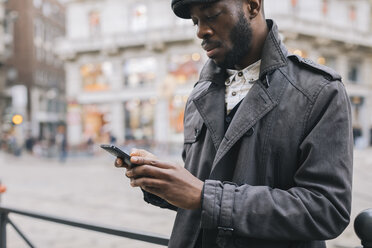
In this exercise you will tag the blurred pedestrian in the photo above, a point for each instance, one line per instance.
(90, 146)
(2, 190)
(29, 143)
(13, 146)
(112, 139)
(61, 142)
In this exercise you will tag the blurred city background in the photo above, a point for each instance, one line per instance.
(78, 73)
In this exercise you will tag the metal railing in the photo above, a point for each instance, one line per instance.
(122, 232)
(362, 226)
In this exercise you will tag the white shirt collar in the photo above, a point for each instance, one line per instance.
(250, 73)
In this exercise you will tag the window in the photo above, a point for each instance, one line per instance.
(40, 54)
(139, 119)
(96, 77)
(139, 71)
(356, 104)
(38, 29)
(184, 68)
(354, 73)
(329, 61)
(38, 3)
(96, 122)
(176, 112)
(139, 17)
(352, 13)
(94, 22)
(47, 9)
(294, 4)
(325, 7)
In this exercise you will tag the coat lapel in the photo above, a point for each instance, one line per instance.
(211, 106)
(254, 107)
(211, 103)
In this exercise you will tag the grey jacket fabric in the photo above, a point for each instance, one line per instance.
(281, 175)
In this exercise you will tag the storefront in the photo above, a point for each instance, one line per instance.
(96, 122)
(96, 76)
(139, 119)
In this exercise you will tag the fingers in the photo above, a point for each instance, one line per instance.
(152, 162)
(145, 171)
(142, 153)
(147, 183)
(119, 163)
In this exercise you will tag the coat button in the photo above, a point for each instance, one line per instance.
(228, 119)
(196, 132)
(240, 74)
(249, 132)
(233, 93)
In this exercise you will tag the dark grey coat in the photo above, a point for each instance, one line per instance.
(281, 174)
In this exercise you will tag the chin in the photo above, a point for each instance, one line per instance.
(219, 62)
(223, 64)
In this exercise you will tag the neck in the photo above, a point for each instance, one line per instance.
(260, 32)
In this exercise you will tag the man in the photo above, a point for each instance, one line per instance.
(268, 143)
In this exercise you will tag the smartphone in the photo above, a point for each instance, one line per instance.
(117, 152)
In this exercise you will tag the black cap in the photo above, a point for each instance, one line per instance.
(181, 7)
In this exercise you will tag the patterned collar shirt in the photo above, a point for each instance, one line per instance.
(239, 83)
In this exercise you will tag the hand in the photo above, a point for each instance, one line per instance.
(171, 182)
(135, 152)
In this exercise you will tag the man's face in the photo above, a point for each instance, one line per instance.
(225, 31)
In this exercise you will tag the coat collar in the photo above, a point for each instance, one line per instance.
(274, 53)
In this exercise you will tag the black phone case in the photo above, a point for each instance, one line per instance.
(118, 153)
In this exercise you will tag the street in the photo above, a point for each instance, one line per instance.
(93, 190)
(86, 189)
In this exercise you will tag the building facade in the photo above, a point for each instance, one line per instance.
(336, 33)
(130, 65)
(36, 78)
(7, 19)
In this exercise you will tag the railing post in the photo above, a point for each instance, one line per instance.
(3, 222)
(363, 227)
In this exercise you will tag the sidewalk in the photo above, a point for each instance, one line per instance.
(86, 189)
(91, 189)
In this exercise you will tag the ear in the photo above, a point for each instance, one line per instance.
(254, 8)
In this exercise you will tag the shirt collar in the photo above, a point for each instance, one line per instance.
(250, 73)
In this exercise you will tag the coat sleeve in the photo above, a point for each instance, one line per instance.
(157, 201)
(318, 206)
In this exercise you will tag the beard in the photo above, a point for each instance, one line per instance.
(241, 39)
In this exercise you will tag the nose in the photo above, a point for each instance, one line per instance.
(204, 31)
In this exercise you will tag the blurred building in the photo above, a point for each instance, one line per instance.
(2, 59)
(35, 77)
(130, 65)
(6, 40)
(336, 33)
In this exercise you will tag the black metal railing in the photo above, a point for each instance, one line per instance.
(362, 226)
(125, 233)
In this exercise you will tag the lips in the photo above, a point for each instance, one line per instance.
(211, 49)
